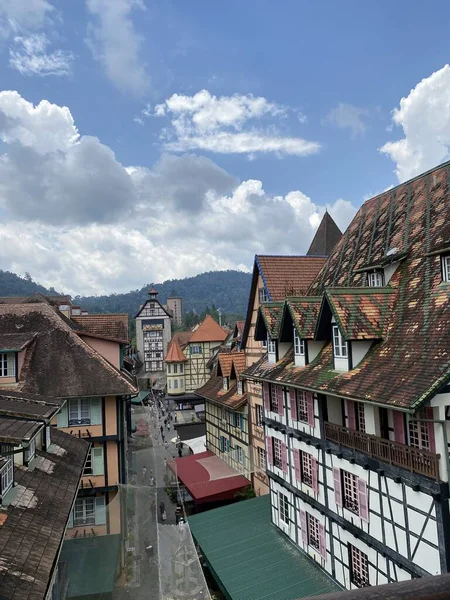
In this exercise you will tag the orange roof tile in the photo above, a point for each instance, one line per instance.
(288, 275)
(209, 331)
(175, 353)
(238, 362)
(114, 326)
(225, 362)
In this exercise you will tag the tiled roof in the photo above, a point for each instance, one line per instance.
(412, 362)
(271, 312)
(36, 297)
(225, 362)
(327, 236)
(16, 431)
(304, 312)
(182, 337)
(238, 362)
(15, 342)
(213, 390)
(58, 362)
(288, 275)
(361, 313)
(28, 406)
(36, 519)
(238, 329)
(175, 353)
(209, 331)
(113, 326)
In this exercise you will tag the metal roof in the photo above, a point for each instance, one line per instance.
(251, 559)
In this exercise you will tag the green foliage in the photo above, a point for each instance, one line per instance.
(13, 285)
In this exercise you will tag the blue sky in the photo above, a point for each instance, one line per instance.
(144, 140)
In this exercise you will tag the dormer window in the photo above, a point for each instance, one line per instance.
(239, 388)
(375, 279)
(225, 384)
(299, 344)
(271, 346)
(7, 364)
(339, 344)
(264, 343)
(6, 476)
(446, 268)
(262, 295)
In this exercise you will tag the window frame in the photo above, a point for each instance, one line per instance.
(445, 264)
(375, 279)
(30, 451)
(6, 476)
(259, 415)
(81, 420)
(283, 508)
(360, 417)
(225, 381)
(261, 454)
(262, 295)
(271, 345)
(359, 566)
(299, 344)
(88, 516)
(240, 387)
(313, 529)
(306, 468)
(302, 406)
(418, 432)
(340, 348)
(6, 364)
(277, 453)
(350, 494)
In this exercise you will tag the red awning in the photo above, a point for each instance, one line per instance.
(207, 477)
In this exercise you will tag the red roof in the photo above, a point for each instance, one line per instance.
(207, 477)
(175, 353)
(209, 331)
(288, 275)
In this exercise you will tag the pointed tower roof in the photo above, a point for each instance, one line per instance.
(327, 236)
(175, 353)
(209, 331)
(153, 292)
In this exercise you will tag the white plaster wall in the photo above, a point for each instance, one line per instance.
(279, 436)
(313, 349)
(299, 360)
(270, 414)
(312, 553)
(340, 364)
(301, 425)
(334, 410)
(359, 350)
(369, 416)
(317, 454)
(283, 347)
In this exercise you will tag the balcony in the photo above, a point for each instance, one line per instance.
(414, 460)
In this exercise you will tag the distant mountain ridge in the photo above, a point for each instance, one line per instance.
(226, 290)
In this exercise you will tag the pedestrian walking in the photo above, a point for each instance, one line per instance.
(144, 471)
(152, 481)
(161, 428)
(162, 510)
(168, 426)
(162, 437)
(166, 445)
(165, 421)
(175, 417)
(180, 452)
(165, 463)
(178, 514)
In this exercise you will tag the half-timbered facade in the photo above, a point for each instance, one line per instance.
(227, 427)
(153, 334)
(356, 394)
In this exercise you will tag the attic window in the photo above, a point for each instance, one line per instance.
(271, 345)
(7, 364)
(239, 388)
(225, 384)
(375, 279)
(446, 268)
(262, 295)
(299, 344)
(339, 344)
(6, 477)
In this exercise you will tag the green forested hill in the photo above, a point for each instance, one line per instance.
(226, 290)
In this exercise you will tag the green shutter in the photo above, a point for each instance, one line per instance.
(61, 419)
(96, 411)
(98, 465)
(100, 510)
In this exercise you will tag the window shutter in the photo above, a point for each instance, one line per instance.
(280, 400)
(429, 414)
(96, 411)
(304, 527)
(98, 465)
(314, 471)
(351, 417)
(363, 500)
(61, 418)
(399, 426)
(293, 402)
(269, 450)
(322, 541)
(298, 475)
(70, 520)
(11, 365)
(310, 406)
(266, 395)
(337, 486)
(284, 457)
(100, 511)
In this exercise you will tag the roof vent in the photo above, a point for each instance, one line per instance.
(392, 251)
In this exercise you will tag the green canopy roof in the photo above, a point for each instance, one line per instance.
(251, 559)
(140, 398)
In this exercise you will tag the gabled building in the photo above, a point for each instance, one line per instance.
(356, 394)
(274, 278)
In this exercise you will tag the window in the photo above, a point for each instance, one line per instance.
(222, 443)
(359, 567)
(262, 296)
(168, 368)
(225, 383)
(196, 349)
(261, 458)
(169, 384)
(283, 504)
(181, 368)
(30, 452)
(181, 382)
(264, 343)
(175, 384)
(419, 432)
(175, 368)
(7, 364)
(88, 469)
(299, 344)
(277, 453)
(79, 413)
(271, 346)
(350, 490)
(239, 454)
(375, 279)
(302, 412)
(360, 417)
(446, 268)
(307, 468)
(84, 511)
(239, 388)
(259, 415)
(313, 526)
(274, 399)
(339, 345)
(6, 476)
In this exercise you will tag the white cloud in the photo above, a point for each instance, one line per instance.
(347, 116)
(115, 43)
(206, 122)
(29, 56)
(23, 15)
(76, 219)
(424, 116)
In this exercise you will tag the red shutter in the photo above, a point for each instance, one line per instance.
(322, 541)
(269, 450)
(310, 405)
(432, 441)
(337, 486)
(280, 400)
(314, 471)
(284, 457)
(399, 426)
(363, 500)
(298, 475)
(293, 402)
(351, 418)
(266, 395)
(304, 527)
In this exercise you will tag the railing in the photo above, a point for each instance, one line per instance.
(394, 453)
